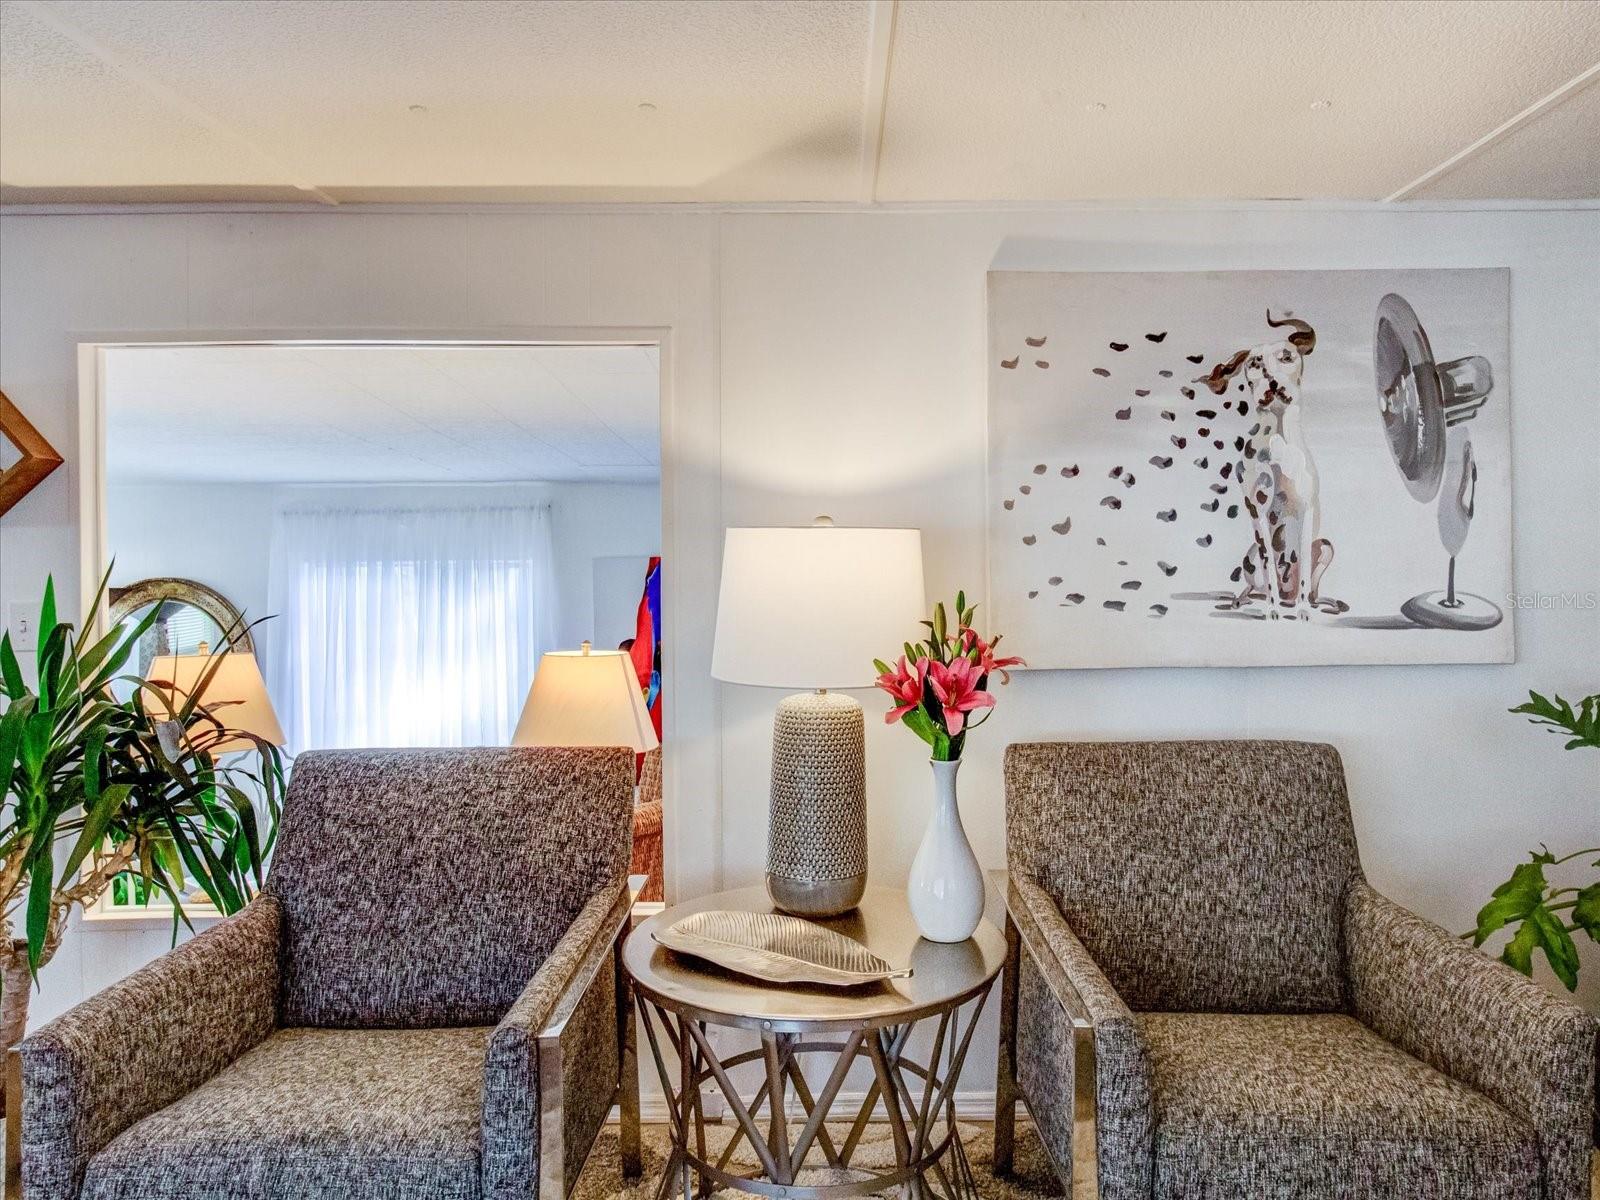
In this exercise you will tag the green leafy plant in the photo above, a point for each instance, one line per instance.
(95, 788)
(1542, 913)
(1582, 724)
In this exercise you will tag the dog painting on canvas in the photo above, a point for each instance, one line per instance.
(1173, 457)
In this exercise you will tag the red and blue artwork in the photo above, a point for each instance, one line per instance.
(646, 648)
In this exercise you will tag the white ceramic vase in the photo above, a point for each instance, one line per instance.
(946, 884)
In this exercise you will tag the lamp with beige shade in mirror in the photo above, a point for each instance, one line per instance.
(590, 697)
(585, 697)
(229, 688)
(235, 694)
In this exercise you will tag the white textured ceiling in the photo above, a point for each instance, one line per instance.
(795, 100)
(382, 414)
(1214, 99)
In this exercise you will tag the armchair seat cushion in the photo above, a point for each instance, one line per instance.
(385, 1114)
(1319, 1105)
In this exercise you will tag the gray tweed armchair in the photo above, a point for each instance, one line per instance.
(422, 1004)
(1201, 976)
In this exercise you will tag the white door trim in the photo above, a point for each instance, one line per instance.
(691, 778)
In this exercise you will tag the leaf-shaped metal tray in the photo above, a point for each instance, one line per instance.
(777, 948)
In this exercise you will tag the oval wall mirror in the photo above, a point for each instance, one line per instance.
(191, 615)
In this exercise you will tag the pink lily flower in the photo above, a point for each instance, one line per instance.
(956, 687)
(986, 660)
(904, 685)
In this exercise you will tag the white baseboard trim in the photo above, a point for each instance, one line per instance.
(970, 1106)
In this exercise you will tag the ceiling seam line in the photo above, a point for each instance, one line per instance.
(884, 17)
(615, 208)
(168, 95)
(1538, 108)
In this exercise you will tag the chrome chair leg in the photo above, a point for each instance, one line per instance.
(1005, 1087)
(628, 1137)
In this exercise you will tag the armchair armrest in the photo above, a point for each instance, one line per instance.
(1064, 1020)
(142, 1043)
(1074, 977)
(1478, 1021)
(555, 1061)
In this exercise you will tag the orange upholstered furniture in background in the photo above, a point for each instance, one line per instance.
(647, 828)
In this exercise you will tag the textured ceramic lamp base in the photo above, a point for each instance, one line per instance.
(817, 837)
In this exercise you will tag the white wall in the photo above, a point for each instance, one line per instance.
(600, 520)
(216, 534)
(836, 361)
(219, 533)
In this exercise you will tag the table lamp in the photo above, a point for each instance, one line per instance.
(811, 608)
(586, 697)
(236, 694)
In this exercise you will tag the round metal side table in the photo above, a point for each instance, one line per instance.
(681, 997)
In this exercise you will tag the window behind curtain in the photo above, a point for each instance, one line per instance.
(407, 626)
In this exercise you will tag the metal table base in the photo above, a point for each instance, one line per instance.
(919, 1099)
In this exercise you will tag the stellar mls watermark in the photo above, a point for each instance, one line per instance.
(1573, 601)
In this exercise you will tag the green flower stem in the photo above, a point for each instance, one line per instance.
(1575, 854)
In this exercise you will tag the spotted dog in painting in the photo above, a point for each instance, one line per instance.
(1277, 476)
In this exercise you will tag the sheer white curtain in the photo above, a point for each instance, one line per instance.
(407, 626)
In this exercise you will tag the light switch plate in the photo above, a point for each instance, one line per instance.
(21, 622)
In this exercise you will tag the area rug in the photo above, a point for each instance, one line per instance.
(602, 1177)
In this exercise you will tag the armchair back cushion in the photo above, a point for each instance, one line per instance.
(423, 888)
(1201, 876)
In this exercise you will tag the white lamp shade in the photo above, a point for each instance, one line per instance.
(812, 607)
(236, 694)
(586, 698)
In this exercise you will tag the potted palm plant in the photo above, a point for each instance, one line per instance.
(95, 784)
